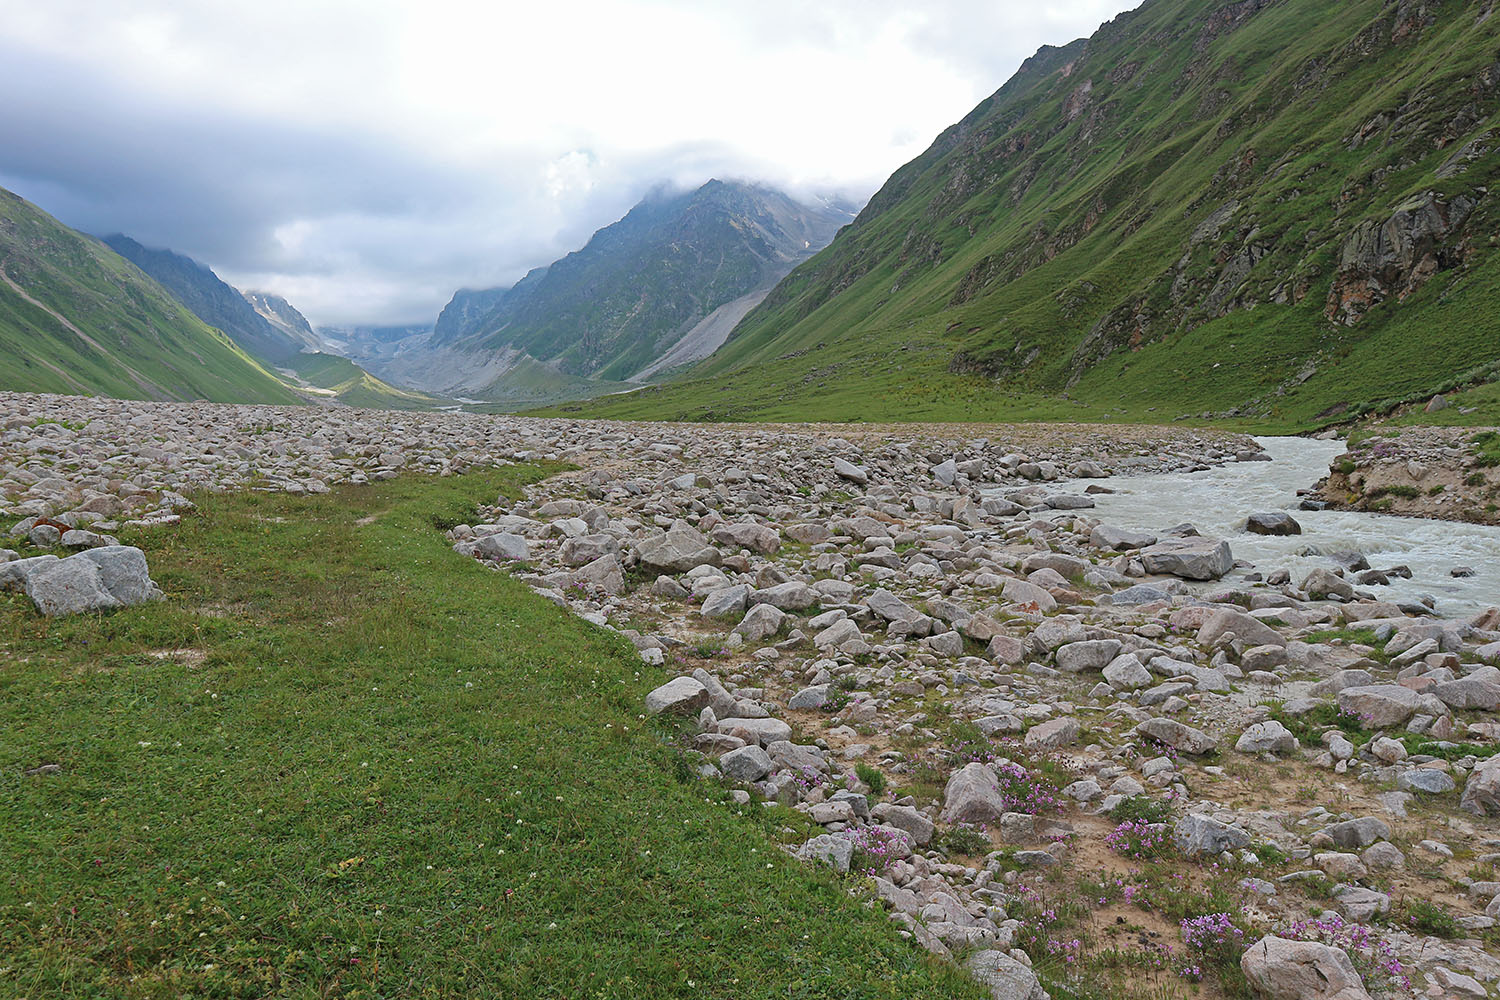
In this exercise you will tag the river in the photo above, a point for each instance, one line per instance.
(1218, 500)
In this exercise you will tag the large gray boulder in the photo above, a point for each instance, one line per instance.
(749, 535)
(1090, 654)
(1127, 672)
(1354, 834)
(761, 622)
(1105, 536)
(849, 471)
(585, 549)
(1322, 584)
(1193, 558)
(835, 852)
(792, 596)
(1482, 791)
(1480, 689)
(726, 602)
(1175, 734)
(907, 818)
(111, 576)
(1380, 705)
(13, 574)
(124, 572)
(503, 546)
(1283, 969)
(604, 573)
(69, 587)
(1266, 737)
(973, 796)
(749, 763)
(679, 549)
(1273, 523)
(1249, 630)
(1005, 977)
(679, 696)
(892, 608)
(1199, 834)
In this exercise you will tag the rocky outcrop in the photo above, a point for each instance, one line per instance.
(1395, 257)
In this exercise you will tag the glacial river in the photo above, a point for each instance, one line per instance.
(1218, 500)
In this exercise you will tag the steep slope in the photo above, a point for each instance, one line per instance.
(281, 314)
(643, 288)
(211, 300)
(464, 311)
(77, 318)
(1275, 210)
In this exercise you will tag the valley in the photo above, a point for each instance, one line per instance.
(557, 533)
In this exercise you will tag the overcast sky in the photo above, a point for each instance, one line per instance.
(364, 158)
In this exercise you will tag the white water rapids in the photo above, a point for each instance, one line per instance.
(1218, 500)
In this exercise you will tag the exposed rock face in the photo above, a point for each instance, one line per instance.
(1396, 257)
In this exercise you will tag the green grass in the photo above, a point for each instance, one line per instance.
(353, 386)
(88, 321)
(385, 772)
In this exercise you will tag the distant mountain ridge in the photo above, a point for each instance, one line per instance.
(76, 317)
(218, 304)
(283, 316)
(641, 289)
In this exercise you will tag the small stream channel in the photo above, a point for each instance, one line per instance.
(1218, 500)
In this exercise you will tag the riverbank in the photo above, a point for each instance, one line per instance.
(1446, 473)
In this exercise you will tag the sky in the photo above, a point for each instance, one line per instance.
(365, 158)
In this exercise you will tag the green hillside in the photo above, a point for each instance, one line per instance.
(342, 379)
(589, 323)
(75, 317)
(1270, 211)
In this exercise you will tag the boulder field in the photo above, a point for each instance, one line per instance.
(1016, 727)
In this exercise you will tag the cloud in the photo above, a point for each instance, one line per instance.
(365, 159)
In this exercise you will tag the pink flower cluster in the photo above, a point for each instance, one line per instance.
(1362, 946)
(1211, 936)
(1135, 838)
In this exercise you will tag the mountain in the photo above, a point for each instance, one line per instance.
(663, 284)
(75, 317)
(211, 300)
(1278, 211)
(280, 313)
(332, 378)
(466, 310)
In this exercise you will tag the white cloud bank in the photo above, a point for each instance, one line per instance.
(366, 158)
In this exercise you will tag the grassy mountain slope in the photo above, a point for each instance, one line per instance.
(601, 315)
(1275, 211)
(75, 317)
(210, 299)
(342, 379)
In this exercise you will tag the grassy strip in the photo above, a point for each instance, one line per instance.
(379, 771)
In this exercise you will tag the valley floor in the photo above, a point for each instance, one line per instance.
(742, 711)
